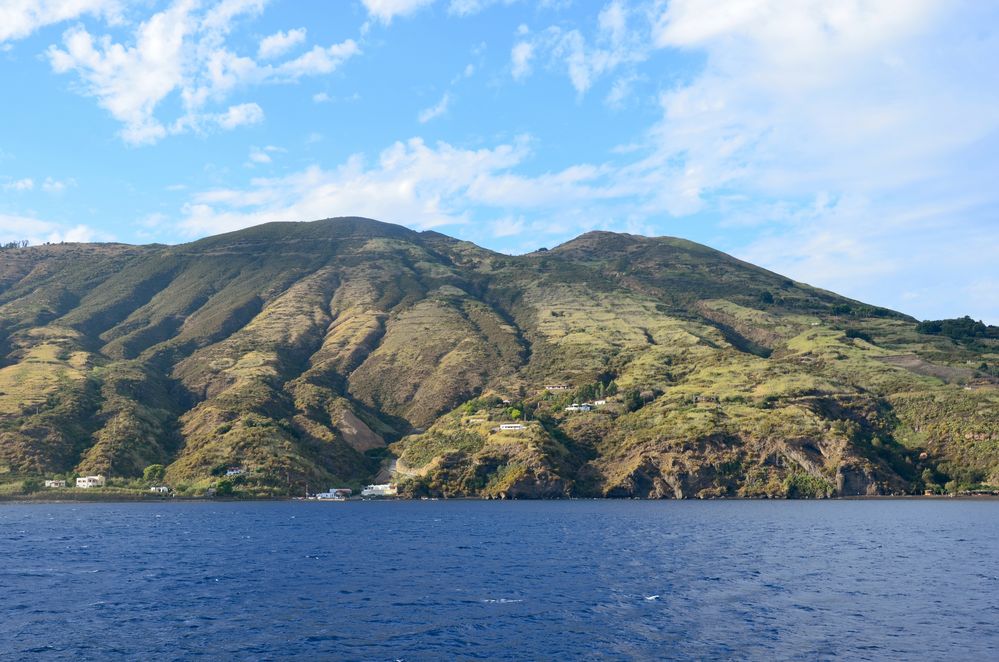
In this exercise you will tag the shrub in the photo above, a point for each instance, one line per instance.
(857, 333)
(31, 485)
(154, 473)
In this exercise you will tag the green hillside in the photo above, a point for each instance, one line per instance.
(335, 352)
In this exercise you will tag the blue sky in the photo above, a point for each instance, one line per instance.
(853, 145)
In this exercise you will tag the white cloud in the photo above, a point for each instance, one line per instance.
(258, 155)
(263, 156)
(38, 231)
(317, 61)
(244, 114)
(321, 97)
(857, 138)
(469, 7)
(436, 110)
(520, 59)
(622, 89)
(182, 50)
(385, 10)
(427, 186)
(412, 182)
(51, 185)
(616, 44)
(19, 18)
(280, 43)
(128, 82)
(25, 184)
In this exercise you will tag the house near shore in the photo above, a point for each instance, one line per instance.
(160, 489)
(334, 494)
(383, 490)
(86, 482)
(55, 483)
(511, 426)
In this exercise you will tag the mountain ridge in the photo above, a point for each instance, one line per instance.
(330, 351)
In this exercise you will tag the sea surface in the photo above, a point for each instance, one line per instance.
(555, 580)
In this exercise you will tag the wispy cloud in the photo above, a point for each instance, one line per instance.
(24, 184)
(385, 10)
(19, 18)
(436, 110)
(280, 43)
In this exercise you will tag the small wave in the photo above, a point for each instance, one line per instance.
(651, 597)
(501, 601)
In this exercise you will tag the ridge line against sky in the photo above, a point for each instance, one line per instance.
(853, 145)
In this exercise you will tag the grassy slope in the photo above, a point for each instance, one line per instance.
(308, 352)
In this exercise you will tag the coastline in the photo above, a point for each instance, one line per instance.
(139, 498)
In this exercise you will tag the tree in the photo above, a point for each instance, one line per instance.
(514, 413)
(154, 473)
(31, 485)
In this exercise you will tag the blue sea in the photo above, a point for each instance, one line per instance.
(529, 580)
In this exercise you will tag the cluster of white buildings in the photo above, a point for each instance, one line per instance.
(89, 482)
(333, 494)
(383, 490)
(586, 406)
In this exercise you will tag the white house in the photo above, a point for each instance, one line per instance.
(160, 489)
(511, 426)
(579, 407)
(55, 483)
(386, 489)
(235, 471)
(87, 482)
(334, 494)
(599, 403)
(557, 387)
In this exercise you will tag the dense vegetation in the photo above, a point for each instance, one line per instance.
(292, 357)
(962, 328)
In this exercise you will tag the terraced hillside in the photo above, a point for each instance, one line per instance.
(312, 354)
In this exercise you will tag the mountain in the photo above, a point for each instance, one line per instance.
(345, 350)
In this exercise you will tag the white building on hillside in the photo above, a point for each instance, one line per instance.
(386, 489)
(511, 426)
(86, 482)
(55, 483)
(160, 489)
